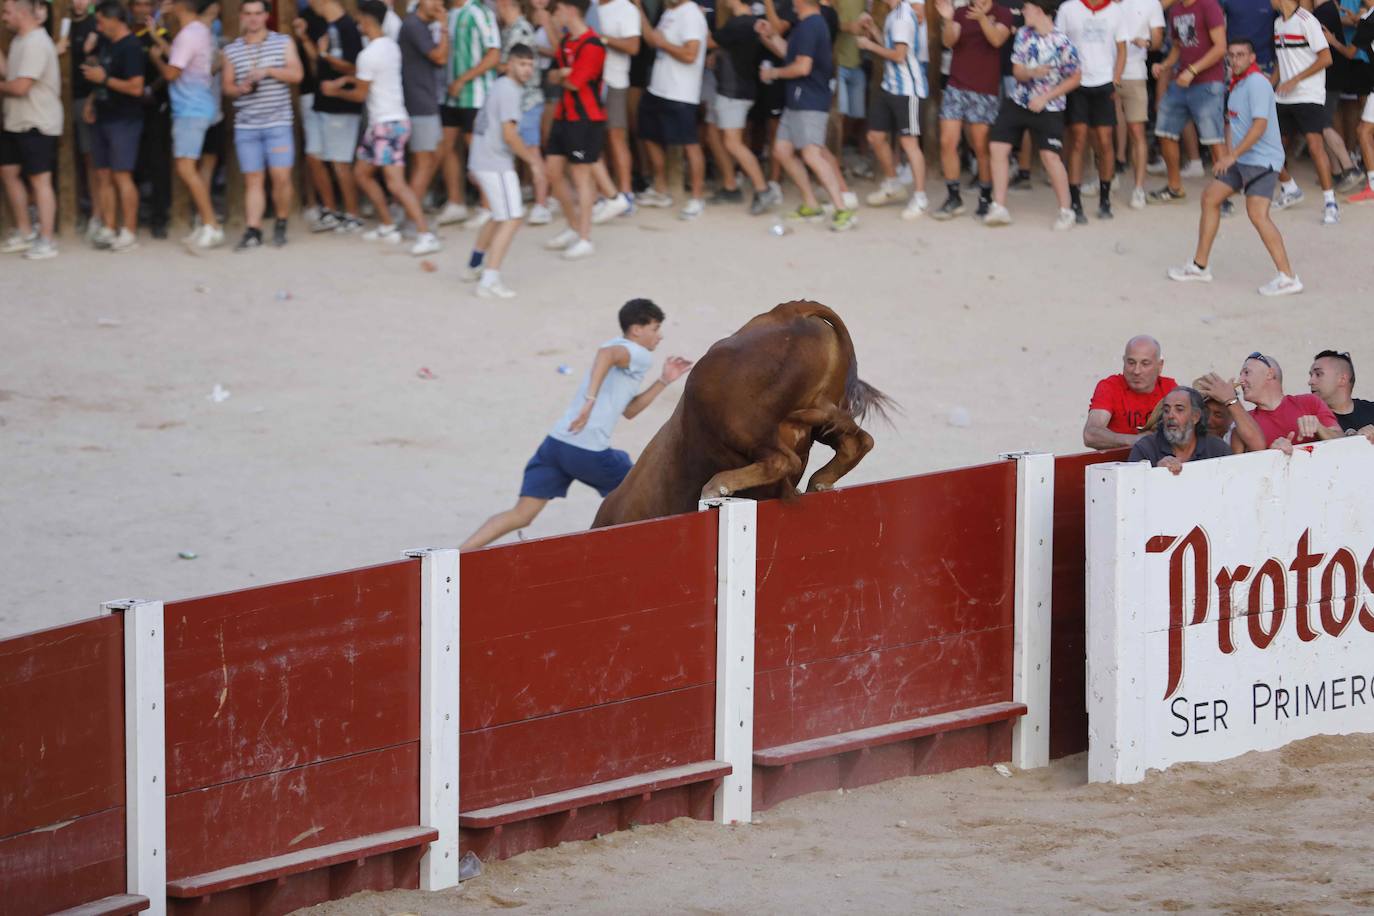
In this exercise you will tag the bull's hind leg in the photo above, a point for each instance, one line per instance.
(773, 464)
(836, 429)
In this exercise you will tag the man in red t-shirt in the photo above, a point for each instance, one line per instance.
(1285, 420)
(1122, 403)
(579, 126)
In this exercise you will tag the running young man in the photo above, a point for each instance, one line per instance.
(1250, 166)
(897, 108)
(579, 445)
(1304, 54)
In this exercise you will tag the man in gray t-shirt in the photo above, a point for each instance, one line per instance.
(423, 56)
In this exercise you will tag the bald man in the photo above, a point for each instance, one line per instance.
(1284, 420)
(1122, 403)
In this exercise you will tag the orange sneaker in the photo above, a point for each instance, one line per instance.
(1364, 197)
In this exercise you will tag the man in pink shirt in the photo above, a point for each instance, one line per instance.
(1285, 420)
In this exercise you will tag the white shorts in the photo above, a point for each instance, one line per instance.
(502, 190)
(1368, 114)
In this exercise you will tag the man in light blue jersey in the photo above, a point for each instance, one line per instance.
(897, 109)
(578, 448)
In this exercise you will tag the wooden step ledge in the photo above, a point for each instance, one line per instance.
(116, 905)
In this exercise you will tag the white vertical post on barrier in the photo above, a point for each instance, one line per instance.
(736, 569)
(1115, 535)
(1030, 734)
(439, 685)
(145, 750)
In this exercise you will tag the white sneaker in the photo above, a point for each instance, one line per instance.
(1192, 170)
(1282, 285)
(1157, 167)
(608, 208)
(41, 250)
(18, 243)
(452, 213)
(695, 207)
(539, 215)
(425, 243)
(1331, 214)
(653, 197)
(582, 248)
(891, 191)
(849, 201)
(1191, 273)
(208, 237)
(125, 241)
(497, 290)
(311, 214)
(916, 207)
(103, 237)
(1087, 189)
(562, 240)
(471, 274)
(997, 215)
(478, 219)
(386, 232)
(1138, 199)
(1288, 199)
(1064, 221)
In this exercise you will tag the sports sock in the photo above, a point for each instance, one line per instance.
(1104, 191)
(1290, 187)
(475, 259)
(1076, 197)
(1329, 196)
(952, 187)
(984, 191)
(491, 277)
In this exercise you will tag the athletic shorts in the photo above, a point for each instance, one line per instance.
(1203, 103)
(261, 148)
(803, 128)
(556, 465)
(338, 136)
(426, 132)
(666, 122)
(731, 114)
(770, 101)
(1251, 180)
(114, 143)
(1302, 118)
(1368, 114)
(188, 137)
(1094, 106)
(968, 106)
(502, 190)
(1135, 101)
(461, 118)
(895, 114)
(34, 152)
(385, 143)
(580, 142)
(531, 126)
(618, 109)
(312, 126)
(850, 95)
(1046, 127)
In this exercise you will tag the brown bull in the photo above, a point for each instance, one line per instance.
(751, 409)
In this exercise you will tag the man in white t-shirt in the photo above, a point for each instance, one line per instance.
(377, 81)
(31, 111)
(1097, 30)
(619, 30)
(668, 110)
(1143, 26)
(1303, 54)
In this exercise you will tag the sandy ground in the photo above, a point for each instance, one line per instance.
(1282, 831)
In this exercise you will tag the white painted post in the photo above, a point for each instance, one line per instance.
(1030, 735)
(735, 574)
(145, 750)
(439, 685)
(1116, 625)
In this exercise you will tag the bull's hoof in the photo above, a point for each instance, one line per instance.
(710, 492)
(819, 487)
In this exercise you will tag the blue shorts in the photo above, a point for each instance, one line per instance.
(265, 147)
(850, 91)
(529, 126)
(1203, 103)
(557, 464)
(188, 137)
(114, 143)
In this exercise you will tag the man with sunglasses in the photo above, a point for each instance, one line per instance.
(1285, 420)
(1331, 378)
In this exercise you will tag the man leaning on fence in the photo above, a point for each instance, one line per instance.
(31, 87)
(1181, 435)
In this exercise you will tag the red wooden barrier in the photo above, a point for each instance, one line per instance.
(1068, 622)
(62, 767)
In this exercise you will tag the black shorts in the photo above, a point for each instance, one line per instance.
(215, 137)
(1094, 106)
(1303, 118)
(895, 114)
(35, 153)
(769, 101)
(580, 142)
(461, 118)
(1046, 127)
(666, 122)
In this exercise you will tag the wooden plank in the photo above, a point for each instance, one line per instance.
(286, 675)
(554, 753)
(63, 865)
(264, 816)
(302, 860)
(116, 905)
(597, 793)
(890, 733)
(61, 724)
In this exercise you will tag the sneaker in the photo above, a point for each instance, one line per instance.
(982, 209)
(93, 227)
(386, 232)
(1228, 208)
(1157, 166)
(18, 243)
(209, 237)
(890, 191)
(1282, 285)
(497, 290)
(759, 205)
(727, 196)
(425, 243)
(773, 196)
(252, 239)
(1364, 197)
(653, 197)
(562, 240)
(630, 205)
(1192, 170)
(844, 221)
(311, 214)
(849, 200)
(539, 215)
(40, 250)
(1064, 221)
(349, 225)
(1104, 209)
(1331, 214)
(607, 209)
(1191, 273)
(103, 238)
(452, 213)
(1288, 199)
(1138, 199)
(158, 231)
(471, 274)
(694, 208)
(125, 241)
(478, 219)
(1349, 181)
(1021, 181)
(997, 215)
(1079, 217)
(1088, 189)
(279, 233)
(916, 207)
(807, 214)
(1166, 195)
(952, 207)
(329, 221)
(582, 248)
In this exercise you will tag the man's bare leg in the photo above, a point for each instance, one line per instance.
(525, 510)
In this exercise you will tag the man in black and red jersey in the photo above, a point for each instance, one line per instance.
(579, 125)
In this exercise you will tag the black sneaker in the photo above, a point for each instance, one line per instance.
(1079, 217)
(1021, 181)
(279, 233)
(1228, 208)
(1104, 210)
(726, 196)
(982, 210)
(952, 207)
(252, 238)
(159, 231)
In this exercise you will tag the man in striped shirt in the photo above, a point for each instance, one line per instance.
(474, 53)
(898, 106)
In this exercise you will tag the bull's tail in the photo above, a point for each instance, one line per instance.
(860, 398)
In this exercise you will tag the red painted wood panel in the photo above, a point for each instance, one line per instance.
(564, 751)
(1068, 620)
(61, 725)
(283, 812)
(52, 869)
(886, 564)
(578, 621)
(286, 675)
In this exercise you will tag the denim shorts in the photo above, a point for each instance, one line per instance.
(261, 148)
(850, 93)
(338, 136)
(188, 137)
(312, 126)
(1202, 103)
(114, 143)
(557, 464)
(529, 125)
